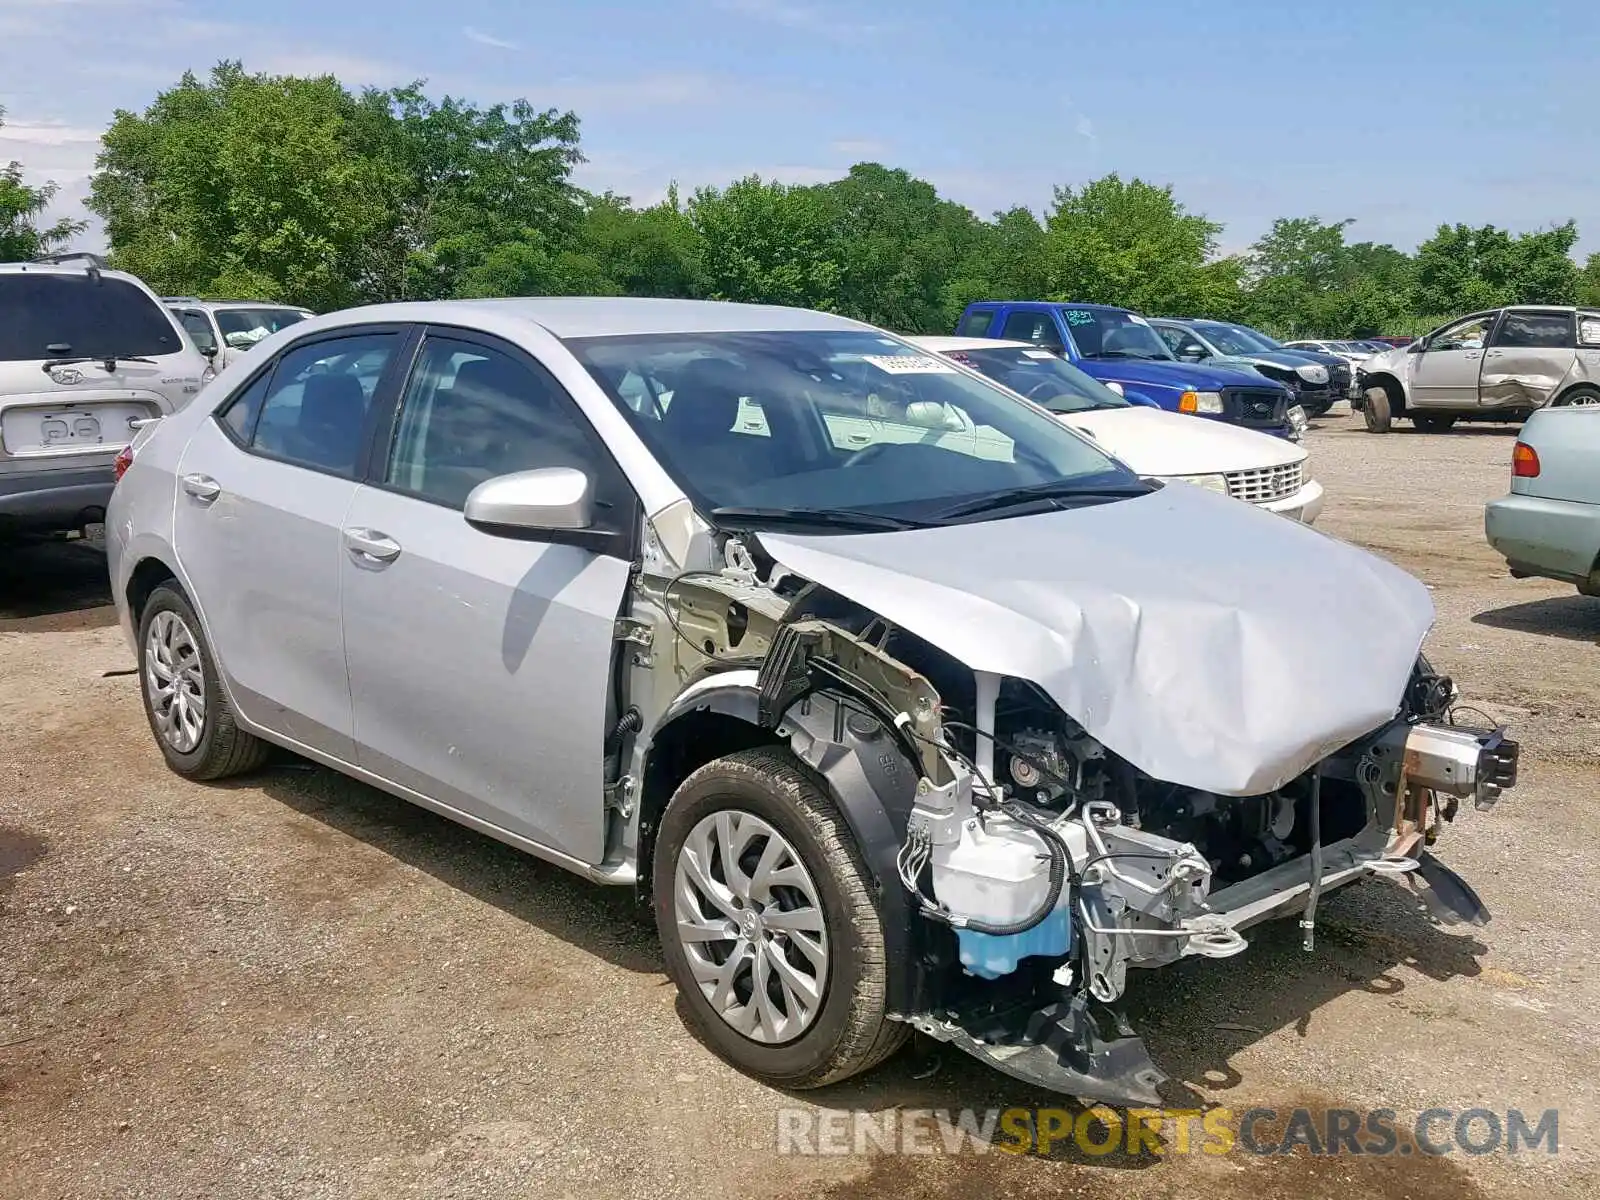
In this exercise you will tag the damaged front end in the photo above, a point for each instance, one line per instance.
(1029, 865)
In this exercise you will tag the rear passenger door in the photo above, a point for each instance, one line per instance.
(263, 488)
(1530, 354)
(480, 666)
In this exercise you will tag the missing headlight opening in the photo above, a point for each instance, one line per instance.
(1037, 867)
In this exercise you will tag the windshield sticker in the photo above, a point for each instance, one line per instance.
(1045, 354)
(909, 364)
(1135, 319)
(1078, 316)
(1589, 332)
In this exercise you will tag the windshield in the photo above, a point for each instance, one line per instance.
(1228, 339)
(50, 315)
(243, 327)
(1042, 377)
(845, 422)
(1254, 338)
(1109, 333)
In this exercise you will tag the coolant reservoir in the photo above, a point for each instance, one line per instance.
(999, 873)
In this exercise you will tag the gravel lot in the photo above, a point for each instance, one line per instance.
(295, 986)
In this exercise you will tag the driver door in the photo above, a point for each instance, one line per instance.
(1445, 375)
(480, 666)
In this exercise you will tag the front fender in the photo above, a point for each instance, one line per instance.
(867, 776)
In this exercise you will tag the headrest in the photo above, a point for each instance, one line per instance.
(332, 400)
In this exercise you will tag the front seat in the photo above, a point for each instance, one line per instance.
(697, 428)
(333, 415)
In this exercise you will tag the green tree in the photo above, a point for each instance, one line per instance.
(1131, 243)
(654, 251)
(767, 243)
(22, 237)
(1461, 269)
(296, 189)
(1589, 281)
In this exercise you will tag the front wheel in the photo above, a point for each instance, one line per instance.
(1376, 410)
(768, 923)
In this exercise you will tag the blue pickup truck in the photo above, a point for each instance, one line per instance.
(1119, 347)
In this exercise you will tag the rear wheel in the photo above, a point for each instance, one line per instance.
(183, 699)
(1582, 396)
(768, 923)
(1433, 422)
(1376, 410)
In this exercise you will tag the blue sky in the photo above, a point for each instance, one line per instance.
(1399, 115)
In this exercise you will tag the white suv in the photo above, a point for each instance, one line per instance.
(225, 329)
(86, 355)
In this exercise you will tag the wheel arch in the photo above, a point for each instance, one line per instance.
(148, 574)
(1564, 396)
(859, 764)
(1391, 384)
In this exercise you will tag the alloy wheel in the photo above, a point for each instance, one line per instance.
(175, 682)
(751, 923)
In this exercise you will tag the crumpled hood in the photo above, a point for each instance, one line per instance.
(1208, 643)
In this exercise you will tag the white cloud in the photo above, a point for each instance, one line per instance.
(1085, 128)
(799, 16)
(488, 39)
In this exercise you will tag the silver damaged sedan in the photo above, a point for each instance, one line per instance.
(903, 705)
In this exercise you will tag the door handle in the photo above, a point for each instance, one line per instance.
(859, 439)
(369, 543)
(202, 487)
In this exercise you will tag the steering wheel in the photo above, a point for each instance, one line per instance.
(870, 454)
(1044, 385)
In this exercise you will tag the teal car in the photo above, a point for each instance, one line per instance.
(1549, 525)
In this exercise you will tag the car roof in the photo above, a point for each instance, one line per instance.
(609, 316)
(1047, 304)
(191, 302)
(76, 269)
(943, 344)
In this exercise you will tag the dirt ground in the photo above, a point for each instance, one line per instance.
(295, 986)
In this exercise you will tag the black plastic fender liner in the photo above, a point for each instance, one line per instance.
(867, 776)
(1075, 1046)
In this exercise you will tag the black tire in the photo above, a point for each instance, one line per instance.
(1583, 394)
(223, 748)
(1434, 422)
(1376, 410)
(850, 1032)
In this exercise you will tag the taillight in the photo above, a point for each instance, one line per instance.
(1524, 461)
(124, 460)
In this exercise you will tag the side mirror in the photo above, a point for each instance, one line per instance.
(1417, 347)
(1193, 354)
(210, 351)
(928, 414)
(531, 502)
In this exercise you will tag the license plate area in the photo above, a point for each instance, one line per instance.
(69, 429)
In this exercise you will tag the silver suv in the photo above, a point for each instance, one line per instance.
(1498, 365)
(225, 329)
(894, 727)
(85, 355)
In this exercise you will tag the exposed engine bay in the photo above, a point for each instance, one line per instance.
(1038, 865)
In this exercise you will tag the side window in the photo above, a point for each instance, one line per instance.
(1180, 341)
(1535, 330)
(199, 328)
(1463, 335)
(315, 410)
(1036, 327)
(471, 413)
(1589, 329)
(977, 324)
(239, 416)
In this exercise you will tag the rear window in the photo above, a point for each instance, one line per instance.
(244, 327)
(71, 316)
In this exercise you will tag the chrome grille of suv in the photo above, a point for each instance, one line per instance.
(1265, 484)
